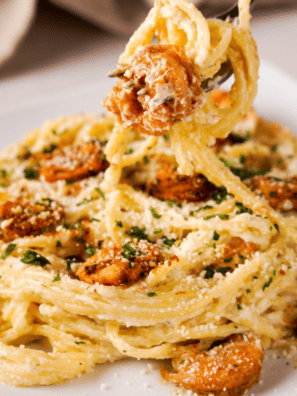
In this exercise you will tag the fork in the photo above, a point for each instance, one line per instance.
(226, 68)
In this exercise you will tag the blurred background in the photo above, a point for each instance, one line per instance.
(50, 46)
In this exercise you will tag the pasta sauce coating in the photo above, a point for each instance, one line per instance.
(226, 370)
(74, 163)
(121, 265)
(159, 88)
(22, 218)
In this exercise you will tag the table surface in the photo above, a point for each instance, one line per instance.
(62, 52)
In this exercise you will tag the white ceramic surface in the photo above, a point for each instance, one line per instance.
(276, 100)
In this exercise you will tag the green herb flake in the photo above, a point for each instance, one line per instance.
(242, 258)
(276, 227)
(157, 230)
(49, 149)
(223, 270)
(228, 260)
(10, 248)
(100, 192)
(182, 362)
(97, 220)
(70, 181)
(219, 195)
(170, 203)
(119, 224)
(129, 151)
(146, 160)
(216, 236)
(242, 209)
(220, 215)
(85, 201)
(239, 307)
(167, 243)
(242, 159)
(58, 244)
(166, 137)
(151, 294)
(267, 284)
(57, 278)
(272, 194)
(128, 251)
(30, 173)
(274, 272)
(34, 258)
(154, 213)
(89, 250)
(236, 327)
(209, 272)
(79, 342)
(248, 291)
(139, 233)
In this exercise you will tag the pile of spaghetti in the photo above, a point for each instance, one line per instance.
(179, 245)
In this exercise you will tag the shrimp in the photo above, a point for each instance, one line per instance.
(170, 185)
(280, 194)
(20, 218)
(74, 163)
(225, 370)
(121, 265)
(235, 252)
(158, 89)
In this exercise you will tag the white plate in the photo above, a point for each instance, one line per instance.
(276, 100)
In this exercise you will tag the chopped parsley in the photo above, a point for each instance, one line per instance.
(100, 192)
(239, 307)
(50, 149)
(192, 212)
(167, 243)
(183, 361)
(242, 159)
(223, 270)
(209, 272)
(10, 248)
(146, 160)
(219, 195)
(166, 137)
(57, 278)
(119, 224)
(267, 284)
(220, 215)
(243, 173)
(79, 342)
(242, 258)
(128, 251)
(151, 294)
(272, 194)
(154, 213)
(242, 139)
(157, 230)
(85, 201)
(34, 258)
(89, 250)
(242, 209)
(30, 173)
(228, 260)
(93, 219)
(139, 233)
(129, 151)
(58, 244)
(70, 181)
(248, 291)
(216, 236)
(276, 227)
(170, 203)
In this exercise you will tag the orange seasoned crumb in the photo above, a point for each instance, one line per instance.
(159, 88)
(170, 185)
(74, 162)
(280, 194)
(21, 218)
(225, 370)
(121, 265)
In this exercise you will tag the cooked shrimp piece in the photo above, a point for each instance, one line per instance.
(121, 265)
(170, 185)
(158, 89)
(280, 194)
(225, 370)
(21, 218)
(235, 252)
(74, 162)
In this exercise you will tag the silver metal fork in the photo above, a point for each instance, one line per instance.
(226, 68)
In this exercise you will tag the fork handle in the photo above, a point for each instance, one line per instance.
(233, 12)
